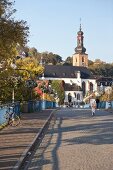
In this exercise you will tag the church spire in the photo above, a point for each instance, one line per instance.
(80, 48)
(80, 24)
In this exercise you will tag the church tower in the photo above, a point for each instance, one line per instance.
(80, 58)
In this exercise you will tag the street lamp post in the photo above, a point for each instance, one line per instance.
(13, 96)
(43, 90)
(14, 79)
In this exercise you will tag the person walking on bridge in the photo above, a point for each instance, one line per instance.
(97, 103)
(93, 105)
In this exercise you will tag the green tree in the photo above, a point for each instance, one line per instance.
(90, 62)
(68, 61)
(50, 58)
(30, 64)
(57, 85)
(11, 32)
(102, 69)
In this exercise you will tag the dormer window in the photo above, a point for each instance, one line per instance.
(106, 83)
(75, 75)
(64, 74)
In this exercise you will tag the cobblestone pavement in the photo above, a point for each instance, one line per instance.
(77, 141)
(14, 140)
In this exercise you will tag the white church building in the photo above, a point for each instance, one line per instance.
(77, 78)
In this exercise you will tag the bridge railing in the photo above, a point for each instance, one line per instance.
(25, 107)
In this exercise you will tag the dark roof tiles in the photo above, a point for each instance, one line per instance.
(60, 71)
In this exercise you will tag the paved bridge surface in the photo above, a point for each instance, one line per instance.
(77, 141)
(15, 140)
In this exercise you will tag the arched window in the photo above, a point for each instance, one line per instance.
(69, 98)
(75, 94)
(91, 87)
(82, 59)
(78, 96)
(84, 88)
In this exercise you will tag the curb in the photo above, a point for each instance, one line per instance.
(3, 126)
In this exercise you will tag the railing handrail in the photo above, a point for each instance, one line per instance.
(7, 104)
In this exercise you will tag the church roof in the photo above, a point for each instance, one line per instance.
(105, 81)
(60, 71)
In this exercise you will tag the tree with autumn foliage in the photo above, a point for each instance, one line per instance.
(31, 65)
(15, 79)
(105, 96)
(12, 33)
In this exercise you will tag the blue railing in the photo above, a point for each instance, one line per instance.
(5, 108)
(27, 107)
(2, 115)
(102, 105)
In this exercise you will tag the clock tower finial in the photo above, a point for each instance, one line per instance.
(80, 47)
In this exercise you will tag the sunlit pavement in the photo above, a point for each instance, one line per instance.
(77, 141)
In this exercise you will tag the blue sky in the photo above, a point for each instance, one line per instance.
(54, 25)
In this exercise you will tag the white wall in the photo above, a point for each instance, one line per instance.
(73, 95)
(93, 81)
(77, 81)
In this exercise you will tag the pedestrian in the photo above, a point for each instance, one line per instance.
(93, 106)
(70, 99)
(97, 103)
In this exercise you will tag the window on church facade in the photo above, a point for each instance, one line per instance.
(78, 96)
(82, 59)
(91, 87)
(75, 94)
(84, 88)
(69, 98)
(83, 64)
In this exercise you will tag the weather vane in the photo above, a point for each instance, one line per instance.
(80, 24)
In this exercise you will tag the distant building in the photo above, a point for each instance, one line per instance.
(98, 61)
(78, 81)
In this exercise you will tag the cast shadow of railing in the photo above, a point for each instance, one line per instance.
(39, 159)
(98, 132)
